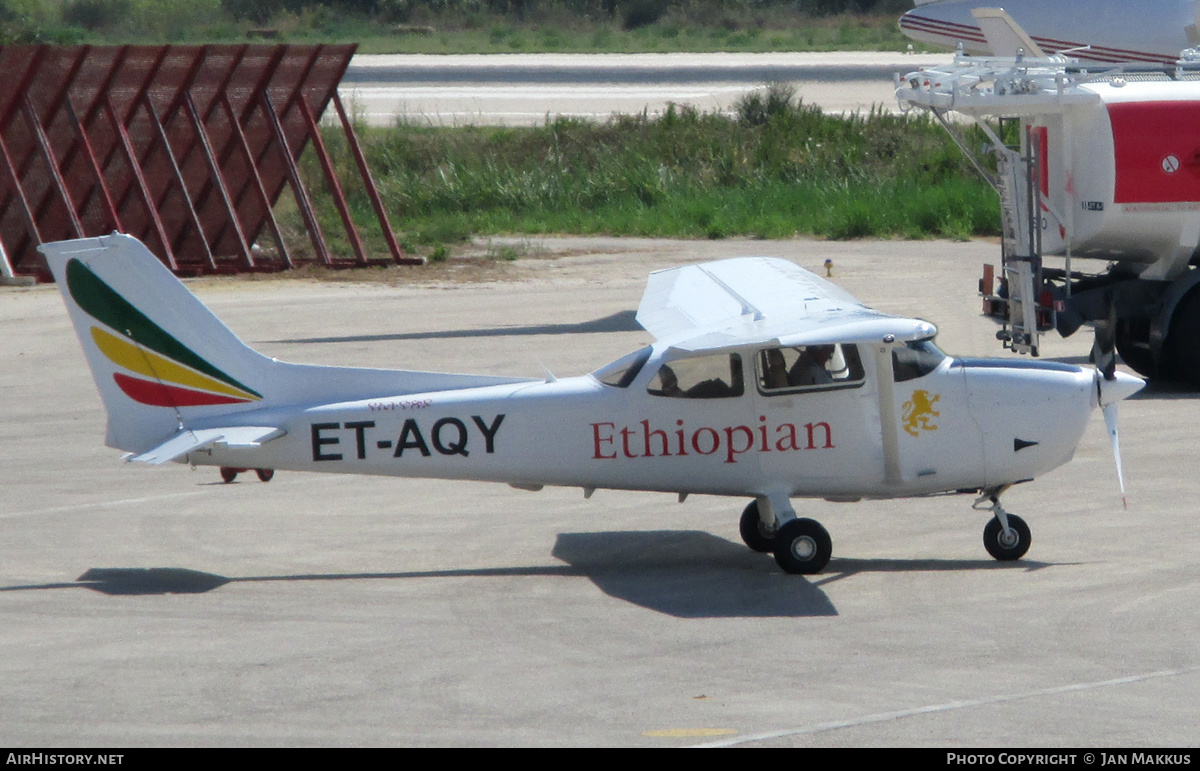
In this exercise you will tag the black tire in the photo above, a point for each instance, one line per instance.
(228, 474)
(754, 532)
(265, 474)
(1181, 350)
(803, 547)
(993, 539)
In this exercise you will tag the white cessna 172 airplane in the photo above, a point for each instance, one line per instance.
(1135, 31)
(765, 382)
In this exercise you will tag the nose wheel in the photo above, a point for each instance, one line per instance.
(1006, 536)
(1006, 545)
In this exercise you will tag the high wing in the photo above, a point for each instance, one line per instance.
(761, 300)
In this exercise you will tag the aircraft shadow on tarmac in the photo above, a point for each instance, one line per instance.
(681, 573)
(622, 321)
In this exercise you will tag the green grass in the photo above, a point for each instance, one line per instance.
(469, 26)
(775, 170)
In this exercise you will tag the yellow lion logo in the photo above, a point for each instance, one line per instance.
(919, 411)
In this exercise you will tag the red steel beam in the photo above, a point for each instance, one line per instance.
(134, 159)
(30, 220)
(38, 127)
(331, 180)
(140, 182)
(293, 173)
(372, 192)
(218, 180)
(109, 207)
(256, 178)
(180, 182)
(39, 133)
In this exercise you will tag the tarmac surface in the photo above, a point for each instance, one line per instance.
(159, 607)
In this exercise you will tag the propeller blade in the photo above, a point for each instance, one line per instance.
(1111, 388)
(1104, 345)
(1110, 422)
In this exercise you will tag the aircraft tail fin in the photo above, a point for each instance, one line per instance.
(158, 356)
(173, 377)
(1004, 36)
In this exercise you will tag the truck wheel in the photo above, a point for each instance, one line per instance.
(1133, 343)
(1181, 351)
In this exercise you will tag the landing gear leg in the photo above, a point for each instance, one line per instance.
(1006, 536)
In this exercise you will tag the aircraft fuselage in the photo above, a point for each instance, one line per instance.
(955, 428)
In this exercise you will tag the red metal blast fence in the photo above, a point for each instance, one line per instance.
(186, 147)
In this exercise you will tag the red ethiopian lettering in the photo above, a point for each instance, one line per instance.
(731, 448)
(597, 440)
(715, 438)
(728, 441)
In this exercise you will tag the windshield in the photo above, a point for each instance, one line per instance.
(915, 359)
(621, 372)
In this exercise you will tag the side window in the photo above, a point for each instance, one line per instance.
(701, 377)
(809, 368)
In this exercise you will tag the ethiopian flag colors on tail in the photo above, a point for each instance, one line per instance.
(162, 371)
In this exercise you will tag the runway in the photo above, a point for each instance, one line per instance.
(158, 607)
(523, 89)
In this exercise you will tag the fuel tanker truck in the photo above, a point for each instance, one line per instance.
(1098, 172)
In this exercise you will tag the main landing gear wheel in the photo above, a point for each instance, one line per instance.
(756, 535)
(802, 546)
(229, 473)
(1007, 546)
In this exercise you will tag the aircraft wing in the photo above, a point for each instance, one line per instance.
(189, 440)
(1005, 36)
(745, 300)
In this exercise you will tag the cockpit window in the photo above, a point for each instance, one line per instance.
(622, 371)
(808, 367)
(700, 377)
(915, 359)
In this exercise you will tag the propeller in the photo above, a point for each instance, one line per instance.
(1111, 388)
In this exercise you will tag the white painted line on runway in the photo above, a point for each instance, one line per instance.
(884, 717)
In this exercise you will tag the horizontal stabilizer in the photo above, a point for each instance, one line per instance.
(190, 440)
